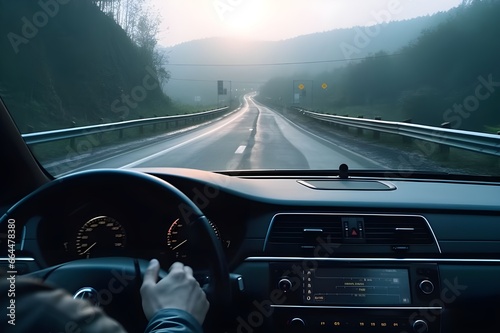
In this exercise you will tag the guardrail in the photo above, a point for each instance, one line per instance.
(71, 133)
(473, 141)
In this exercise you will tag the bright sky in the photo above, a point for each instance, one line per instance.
(185, 20)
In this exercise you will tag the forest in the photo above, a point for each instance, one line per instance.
(449, 74)
(70, 63)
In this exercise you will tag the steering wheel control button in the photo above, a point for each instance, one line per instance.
(89, 294)
(426, 286)
(285, 285)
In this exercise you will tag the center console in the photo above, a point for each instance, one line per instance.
(355, 297)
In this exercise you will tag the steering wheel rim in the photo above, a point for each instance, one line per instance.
(218, 291)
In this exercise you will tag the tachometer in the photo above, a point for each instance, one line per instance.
(177, 238)
(101, 235)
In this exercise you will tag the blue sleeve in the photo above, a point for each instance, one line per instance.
(173, 321)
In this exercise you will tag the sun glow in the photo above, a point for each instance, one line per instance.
(184, 21)
(243, 20)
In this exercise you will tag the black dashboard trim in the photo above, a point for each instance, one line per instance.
(394, 175)
(18, 259)
(357, 307)
(406, 260)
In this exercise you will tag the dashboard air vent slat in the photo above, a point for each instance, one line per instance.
(292, 229)
(397, 230)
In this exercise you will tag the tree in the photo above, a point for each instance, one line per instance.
(144, 36)
(141, 25)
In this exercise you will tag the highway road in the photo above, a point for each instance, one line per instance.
(255, 137)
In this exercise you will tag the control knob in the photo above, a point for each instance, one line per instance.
(420, 326)
(297, 323)
(426, 286)
(285, 284)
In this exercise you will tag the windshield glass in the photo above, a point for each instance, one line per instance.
(391, 85)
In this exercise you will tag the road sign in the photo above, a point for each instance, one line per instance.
(301, 86)
(324, 86)
(220, 87)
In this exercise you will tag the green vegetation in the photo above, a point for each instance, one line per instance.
(433, 80)
(71, 64)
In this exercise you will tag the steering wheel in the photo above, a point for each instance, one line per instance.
(116, 281)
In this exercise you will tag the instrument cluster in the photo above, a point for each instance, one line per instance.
(92, 231)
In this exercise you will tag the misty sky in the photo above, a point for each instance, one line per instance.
(185, 20)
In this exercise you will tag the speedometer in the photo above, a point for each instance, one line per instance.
(101, 235)
(177, 237)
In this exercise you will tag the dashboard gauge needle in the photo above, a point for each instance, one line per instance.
(88, 249)
(178, 245)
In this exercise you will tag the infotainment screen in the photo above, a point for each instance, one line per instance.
(356, 286)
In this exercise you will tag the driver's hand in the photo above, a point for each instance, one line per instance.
(178, 290)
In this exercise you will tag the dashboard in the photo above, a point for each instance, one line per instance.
(365, 255)
(362, 256)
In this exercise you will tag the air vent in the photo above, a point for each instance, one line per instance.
(304, 229)
(346, 234)
(397, 230)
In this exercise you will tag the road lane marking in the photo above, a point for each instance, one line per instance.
(300, 128)
(240, 150)
(187, 130)
(163, 152)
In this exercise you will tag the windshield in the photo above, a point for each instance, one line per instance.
(381, 85)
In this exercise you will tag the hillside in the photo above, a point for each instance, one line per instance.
(75, 69)
(340, 45)
(432, 80)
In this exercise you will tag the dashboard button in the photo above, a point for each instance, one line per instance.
(297, 323)
(426, 286)
(285, 284)
(420, 326)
